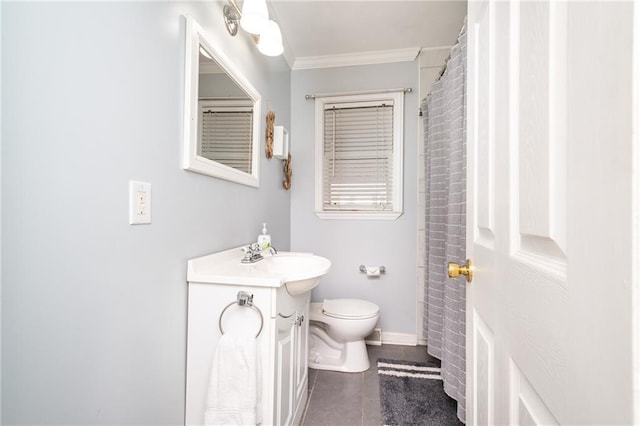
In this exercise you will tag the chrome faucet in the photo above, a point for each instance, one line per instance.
(252, 253)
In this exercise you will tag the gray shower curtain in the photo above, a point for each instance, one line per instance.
(445, 219)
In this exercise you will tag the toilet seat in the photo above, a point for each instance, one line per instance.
(349, 308)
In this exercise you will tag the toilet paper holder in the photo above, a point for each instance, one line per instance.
(382, 269)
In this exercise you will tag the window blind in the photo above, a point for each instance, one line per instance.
(358, 156)
(225, 134)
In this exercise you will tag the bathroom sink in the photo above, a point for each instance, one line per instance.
(300, 271)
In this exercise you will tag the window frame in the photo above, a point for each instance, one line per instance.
(397, 97)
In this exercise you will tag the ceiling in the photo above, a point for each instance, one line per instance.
(325, 29)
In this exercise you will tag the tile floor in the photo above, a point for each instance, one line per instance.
(352, 399)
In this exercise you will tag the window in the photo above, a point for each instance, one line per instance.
(225, 128)
(359, 156)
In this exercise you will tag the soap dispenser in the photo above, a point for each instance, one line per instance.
(264, 239)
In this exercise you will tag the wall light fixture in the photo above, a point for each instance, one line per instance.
(254, 19)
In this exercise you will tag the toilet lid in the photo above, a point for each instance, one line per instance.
(349, 308)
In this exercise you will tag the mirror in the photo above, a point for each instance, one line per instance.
(222, 114)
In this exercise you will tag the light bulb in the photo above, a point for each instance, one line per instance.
(255, 16)
(270, 43)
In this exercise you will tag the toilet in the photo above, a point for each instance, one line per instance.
(337, 331)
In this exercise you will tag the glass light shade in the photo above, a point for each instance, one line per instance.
(255, 16)
(270, 43)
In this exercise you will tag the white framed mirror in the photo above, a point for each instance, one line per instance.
(221, 113)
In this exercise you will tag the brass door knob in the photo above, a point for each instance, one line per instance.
(454, 270)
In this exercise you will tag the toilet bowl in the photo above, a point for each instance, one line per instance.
(337, 331)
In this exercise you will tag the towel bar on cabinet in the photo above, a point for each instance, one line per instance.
(243, 299)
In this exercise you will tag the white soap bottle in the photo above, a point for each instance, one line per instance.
(264, 239)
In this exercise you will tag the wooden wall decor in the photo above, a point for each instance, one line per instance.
(286, 183)
(271, 117)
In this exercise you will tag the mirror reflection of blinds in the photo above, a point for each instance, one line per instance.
(358, 157)
(226, 136)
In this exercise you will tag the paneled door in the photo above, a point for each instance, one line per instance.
(552, 212)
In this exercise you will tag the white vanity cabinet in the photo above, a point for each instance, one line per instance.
(282, 342)
(280, 285)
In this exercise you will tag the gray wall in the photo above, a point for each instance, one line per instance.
(93, 309)
(220, 85)
(349, 244)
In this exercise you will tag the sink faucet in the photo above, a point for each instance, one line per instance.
(252, 253)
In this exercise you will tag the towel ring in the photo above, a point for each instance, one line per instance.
(244, 299)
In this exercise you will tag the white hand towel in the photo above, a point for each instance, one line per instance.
(234, 396)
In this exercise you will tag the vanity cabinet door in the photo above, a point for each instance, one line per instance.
(285, 360)
(302, 350)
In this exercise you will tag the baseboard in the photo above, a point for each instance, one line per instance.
(375, 338)
(399, 339)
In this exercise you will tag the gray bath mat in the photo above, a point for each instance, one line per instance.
(411, 393)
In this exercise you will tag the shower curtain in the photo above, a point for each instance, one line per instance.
(445, 219)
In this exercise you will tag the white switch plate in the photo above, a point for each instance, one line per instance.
(139, 202)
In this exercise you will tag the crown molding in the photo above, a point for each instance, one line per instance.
(351, 59)
(427, 50)
(288, 55)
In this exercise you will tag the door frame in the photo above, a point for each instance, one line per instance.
(635, 195)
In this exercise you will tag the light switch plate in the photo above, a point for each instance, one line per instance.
(139, 202)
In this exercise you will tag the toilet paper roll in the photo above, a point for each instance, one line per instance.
(373, 271)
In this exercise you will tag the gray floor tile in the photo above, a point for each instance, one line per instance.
(332, 381)
(332, 413)
(353, 399)
(384, 351)
(336, 399)
(371, 415)
(414, 353)
(371, 385)
(312, 378)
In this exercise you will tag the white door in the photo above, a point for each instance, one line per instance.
(551, 311)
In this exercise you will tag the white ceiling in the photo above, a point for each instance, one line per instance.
(324, 29)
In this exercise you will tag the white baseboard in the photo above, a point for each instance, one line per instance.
(375, 338)
(399, 339)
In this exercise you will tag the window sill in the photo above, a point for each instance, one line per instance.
(356, 215)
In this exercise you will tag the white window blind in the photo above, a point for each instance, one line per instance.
(358, 155)
(358, 167)
(225, 133)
